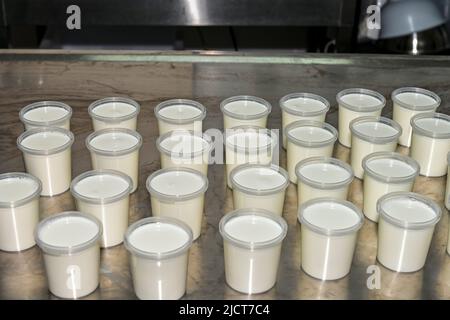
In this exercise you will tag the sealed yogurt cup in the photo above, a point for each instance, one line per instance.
(180, 114)
(245, 111)
(46, 114)
(114, 112)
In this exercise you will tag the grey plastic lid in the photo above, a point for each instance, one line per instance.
(43, 104)
(112, 152)
(311, 123)
(171, 134)
(266, 104)
(375, 139)
(390, 155)
(243, 129)
(405, 105)
(320, 184)
(413, 197)
(21, 175)
(361, 91)
(158, 255)
(172, 102)
(33, 131)
(95, 104)
(67, 250)
(257, 213)
(312, 96)
(416, 128)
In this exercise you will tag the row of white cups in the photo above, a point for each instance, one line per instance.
(253, 233)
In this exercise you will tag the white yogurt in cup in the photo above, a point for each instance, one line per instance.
(302, 106)
(252, 240)
(159, 250)
(409, 101)
(430, 143)
(369, 135)
(47, 156)
(405, 230)
(386, 172)
(70, 245)
(308, 138)
(329, 230)
(248, 144)
(105, 194)
(19, 210)
(319, 177)
(179, 193)
(259, 186)
(355, 103)
(116, 149)
(180, 114)
(187, 149)
(114, 112)
(46, 114)
(245, 111)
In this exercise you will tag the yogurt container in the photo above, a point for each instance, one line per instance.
(407, 102)
(355, 103)
(252, 240)
(159, 249)
(46, 114)
(114, 112)
(405, 230)
(302, 106)
(245, 111)
(19, 210)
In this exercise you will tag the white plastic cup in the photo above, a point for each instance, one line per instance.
(70, 245)
(245, 111)
(180, 114)
(105, 194)
(252, 240)
(308, 138)
(187, 149)
(386, 172)
(114, 112)
(447, 189)
(320, 177)
(405, 230)
(179, 193)
(259, 186)
(116, 149)
(407, 102)
(248, 144)
(369, 135)
(430, 143)
(329, 230)
(46, 114)
(355, 103)
(302, 106)
(47, 156)
(159, 250)
(19, 210)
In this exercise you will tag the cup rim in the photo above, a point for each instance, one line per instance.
(97, 133)
(231, 131)
(158, 255)
(363, 91)
(374, 139)
(424, 132)
(205, 137)
(258, 192)
(390, 155)
(103, 200)
(20, 202)
(172, 198)
(422, 91)
(171, 102)
(42, 104)
(311, 123)
(234, 115)
(253, 212)
(305, 95)
(51, 151)
(330, 232)
(93, 105)
(324, 185)
(67, 250)
(405, 224)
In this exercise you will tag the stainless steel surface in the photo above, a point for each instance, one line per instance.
(79, 78)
